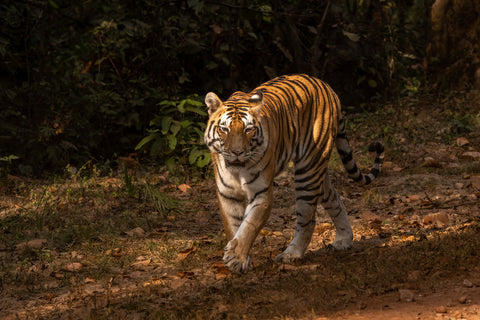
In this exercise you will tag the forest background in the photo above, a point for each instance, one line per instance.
(94, 80)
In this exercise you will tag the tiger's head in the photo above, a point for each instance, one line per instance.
(234, 129)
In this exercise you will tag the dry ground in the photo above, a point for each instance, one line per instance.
(91, 247)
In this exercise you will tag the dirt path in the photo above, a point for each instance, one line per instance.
(90, 247)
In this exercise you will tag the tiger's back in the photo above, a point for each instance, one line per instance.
(305, 112)
(252, 137)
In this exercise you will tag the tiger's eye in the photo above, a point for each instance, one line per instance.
(250, 130)
(223, 129)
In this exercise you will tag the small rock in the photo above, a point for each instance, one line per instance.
(406, 295)
(361, 305)
(368, 216)
(414, 197)
(462, 141)
(459, 185)
(441, 309)
(136, 232)
(471, 155)
(442, 218)
(463, 299)
(93, 288)
(431, 163)
(475, 181)
(414, 276)
(73, 267)
(439, 218)
(467, 283)
(34, 244)
(287, 267)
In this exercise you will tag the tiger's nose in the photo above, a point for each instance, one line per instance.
(237, 152)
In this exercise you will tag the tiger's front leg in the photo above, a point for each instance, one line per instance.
(242, 233)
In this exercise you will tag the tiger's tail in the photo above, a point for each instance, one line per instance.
(345, 152)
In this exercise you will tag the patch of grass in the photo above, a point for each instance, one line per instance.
(372, 197)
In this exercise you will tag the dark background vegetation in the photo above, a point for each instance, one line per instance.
(81, 80)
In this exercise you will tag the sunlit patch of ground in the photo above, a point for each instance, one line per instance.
(115, 247)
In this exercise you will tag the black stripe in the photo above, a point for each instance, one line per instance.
(229, 198)
(308, 198)
(257, 194)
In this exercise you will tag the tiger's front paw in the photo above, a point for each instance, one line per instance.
(233, 262)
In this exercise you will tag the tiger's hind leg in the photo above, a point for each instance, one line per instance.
(332, 203)
(307, 198)
(308, 191)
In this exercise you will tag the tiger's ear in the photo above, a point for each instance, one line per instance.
(256, 100)
(213, 102)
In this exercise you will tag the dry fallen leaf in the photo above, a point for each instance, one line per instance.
(462, 141)
(471, 155)
(73, 267)
(184, 253)
(369, 216)
(140, 264)
(322, 227)
(438, 218)
(220, 268)
(414, 197)
(264, 232)
(136, 232)
(432, 163)
(287, 267)
(34, 244)
(184, 187)
(185, 274)
(475, 181)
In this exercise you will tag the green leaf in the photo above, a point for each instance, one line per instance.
(156, 121)
(203, 160)
(175, 128)
(170, 164)
(166, 103)
(166, 122)
(145, 141)
(172, 142)
(372, 83)
(156, 147)
(194, 154)
(196, 110)
(185, 123)
(53, 4)
(181, 106)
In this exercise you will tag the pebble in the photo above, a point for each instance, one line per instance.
(441, 309)
(467, 283)
(432, 163)
(475, 180)
(34, 244)
(406, 295)
(462, 141)
(471, 155)
(463, 299)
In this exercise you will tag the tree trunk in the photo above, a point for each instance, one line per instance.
(455, 46)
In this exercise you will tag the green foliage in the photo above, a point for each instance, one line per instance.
(81, 80)
(176, 134)
(463, 124)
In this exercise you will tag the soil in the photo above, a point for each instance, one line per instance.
(416, 251)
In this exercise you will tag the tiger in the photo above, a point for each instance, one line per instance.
(252, 137)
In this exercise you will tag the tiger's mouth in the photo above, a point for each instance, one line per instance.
(235, 163)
